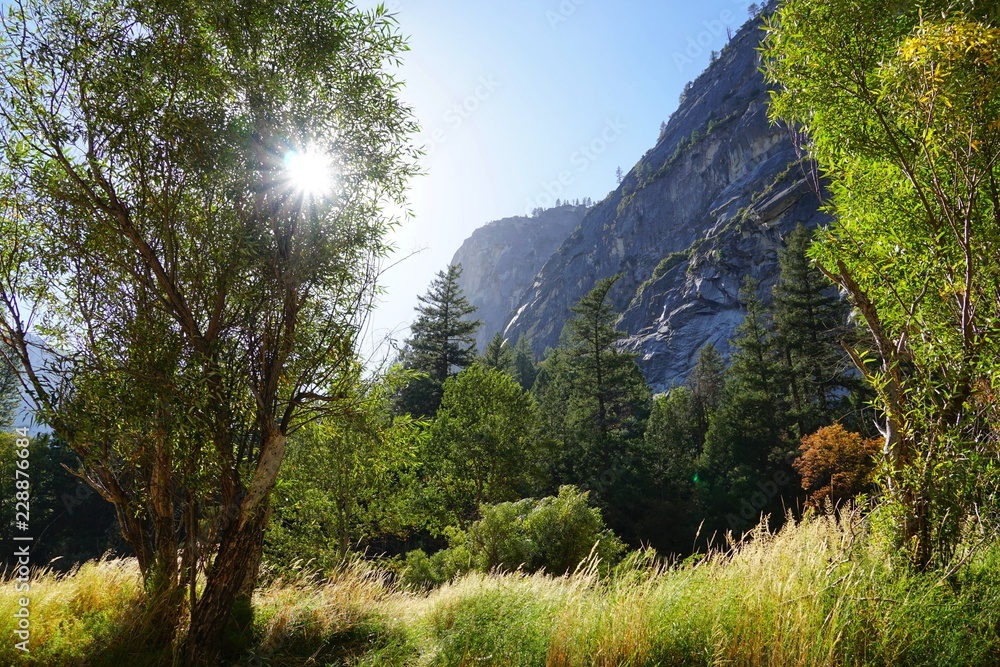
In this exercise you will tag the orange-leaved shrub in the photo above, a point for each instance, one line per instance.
(835, 463)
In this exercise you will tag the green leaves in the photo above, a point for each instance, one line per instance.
(484, 439)
(902, 111)
(196, 308)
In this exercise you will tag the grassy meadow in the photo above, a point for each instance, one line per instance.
(821, 592)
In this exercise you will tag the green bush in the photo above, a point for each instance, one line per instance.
(564, 531)
(554, 534)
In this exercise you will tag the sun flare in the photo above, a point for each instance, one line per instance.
(308, 172)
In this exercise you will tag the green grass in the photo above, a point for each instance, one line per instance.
(821, 592)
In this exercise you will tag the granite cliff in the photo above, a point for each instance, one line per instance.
(500, 260)
(709, 204)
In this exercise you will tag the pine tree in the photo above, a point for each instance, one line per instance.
(498, 355)
(606, 413)
(747, 438)
(606, 376)
(671, 449)
(442, 343)
(706, 381)
(809, 321)
(552, 388)
(525, 368)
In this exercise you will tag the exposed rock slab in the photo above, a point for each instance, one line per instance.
(722, 186)
(500, 260)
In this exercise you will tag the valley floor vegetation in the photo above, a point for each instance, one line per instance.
(823, 591)
(825, 494)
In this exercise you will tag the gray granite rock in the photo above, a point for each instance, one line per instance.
(499, 262)
(716, 194)
(712, 201)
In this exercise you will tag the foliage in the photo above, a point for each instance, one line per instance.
(482, 442)
(820, 592)
(525, 368)
(77, 525)
(902, 110)
(10, 385)
(192, 306)
(835, 464)
(594, 402)
(555, 534)
(610, 399)
(671, 448)
(442, 342)
(339, 485)
(498, 356)
(706, 381)
(747, 436)
(810, 320)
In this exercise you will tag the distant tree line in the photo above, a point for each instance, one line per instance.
(782, 425)
(586, 202)
(450, 433)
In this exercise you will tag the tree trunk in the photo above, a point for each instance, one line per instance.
(233, 573)
(231, 577)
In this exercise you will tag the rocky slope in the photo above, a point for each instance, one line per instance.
(500, 260)
(706, 206)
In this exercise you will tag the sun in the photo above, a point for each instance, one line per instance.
(308, 172)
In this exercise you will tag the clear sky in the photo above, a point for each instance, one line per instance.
(513, 96)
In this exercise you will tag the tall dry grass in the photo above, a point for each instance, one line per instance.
(821, 592)
(73, 616)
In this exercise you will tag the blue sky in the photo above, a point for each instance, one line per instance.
(513, 97)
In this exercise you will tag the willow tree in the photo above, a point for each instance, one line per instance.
(902, 109)
(196, 290)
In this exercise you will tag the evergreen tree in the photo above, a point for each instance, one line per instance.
(747, 439)
(552, 389)
(498, 355)
(525, 368)
(606, 378)
(809, 321)
(672, 445)
(706, 382)
(442, 343)
(608, 404)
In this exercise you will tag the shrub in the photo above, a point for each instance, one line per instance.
(835, 464)
(554, 534)
(564, 531)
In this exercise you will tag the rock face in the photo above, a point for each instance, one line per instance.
(499, 262)
(709, 204)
